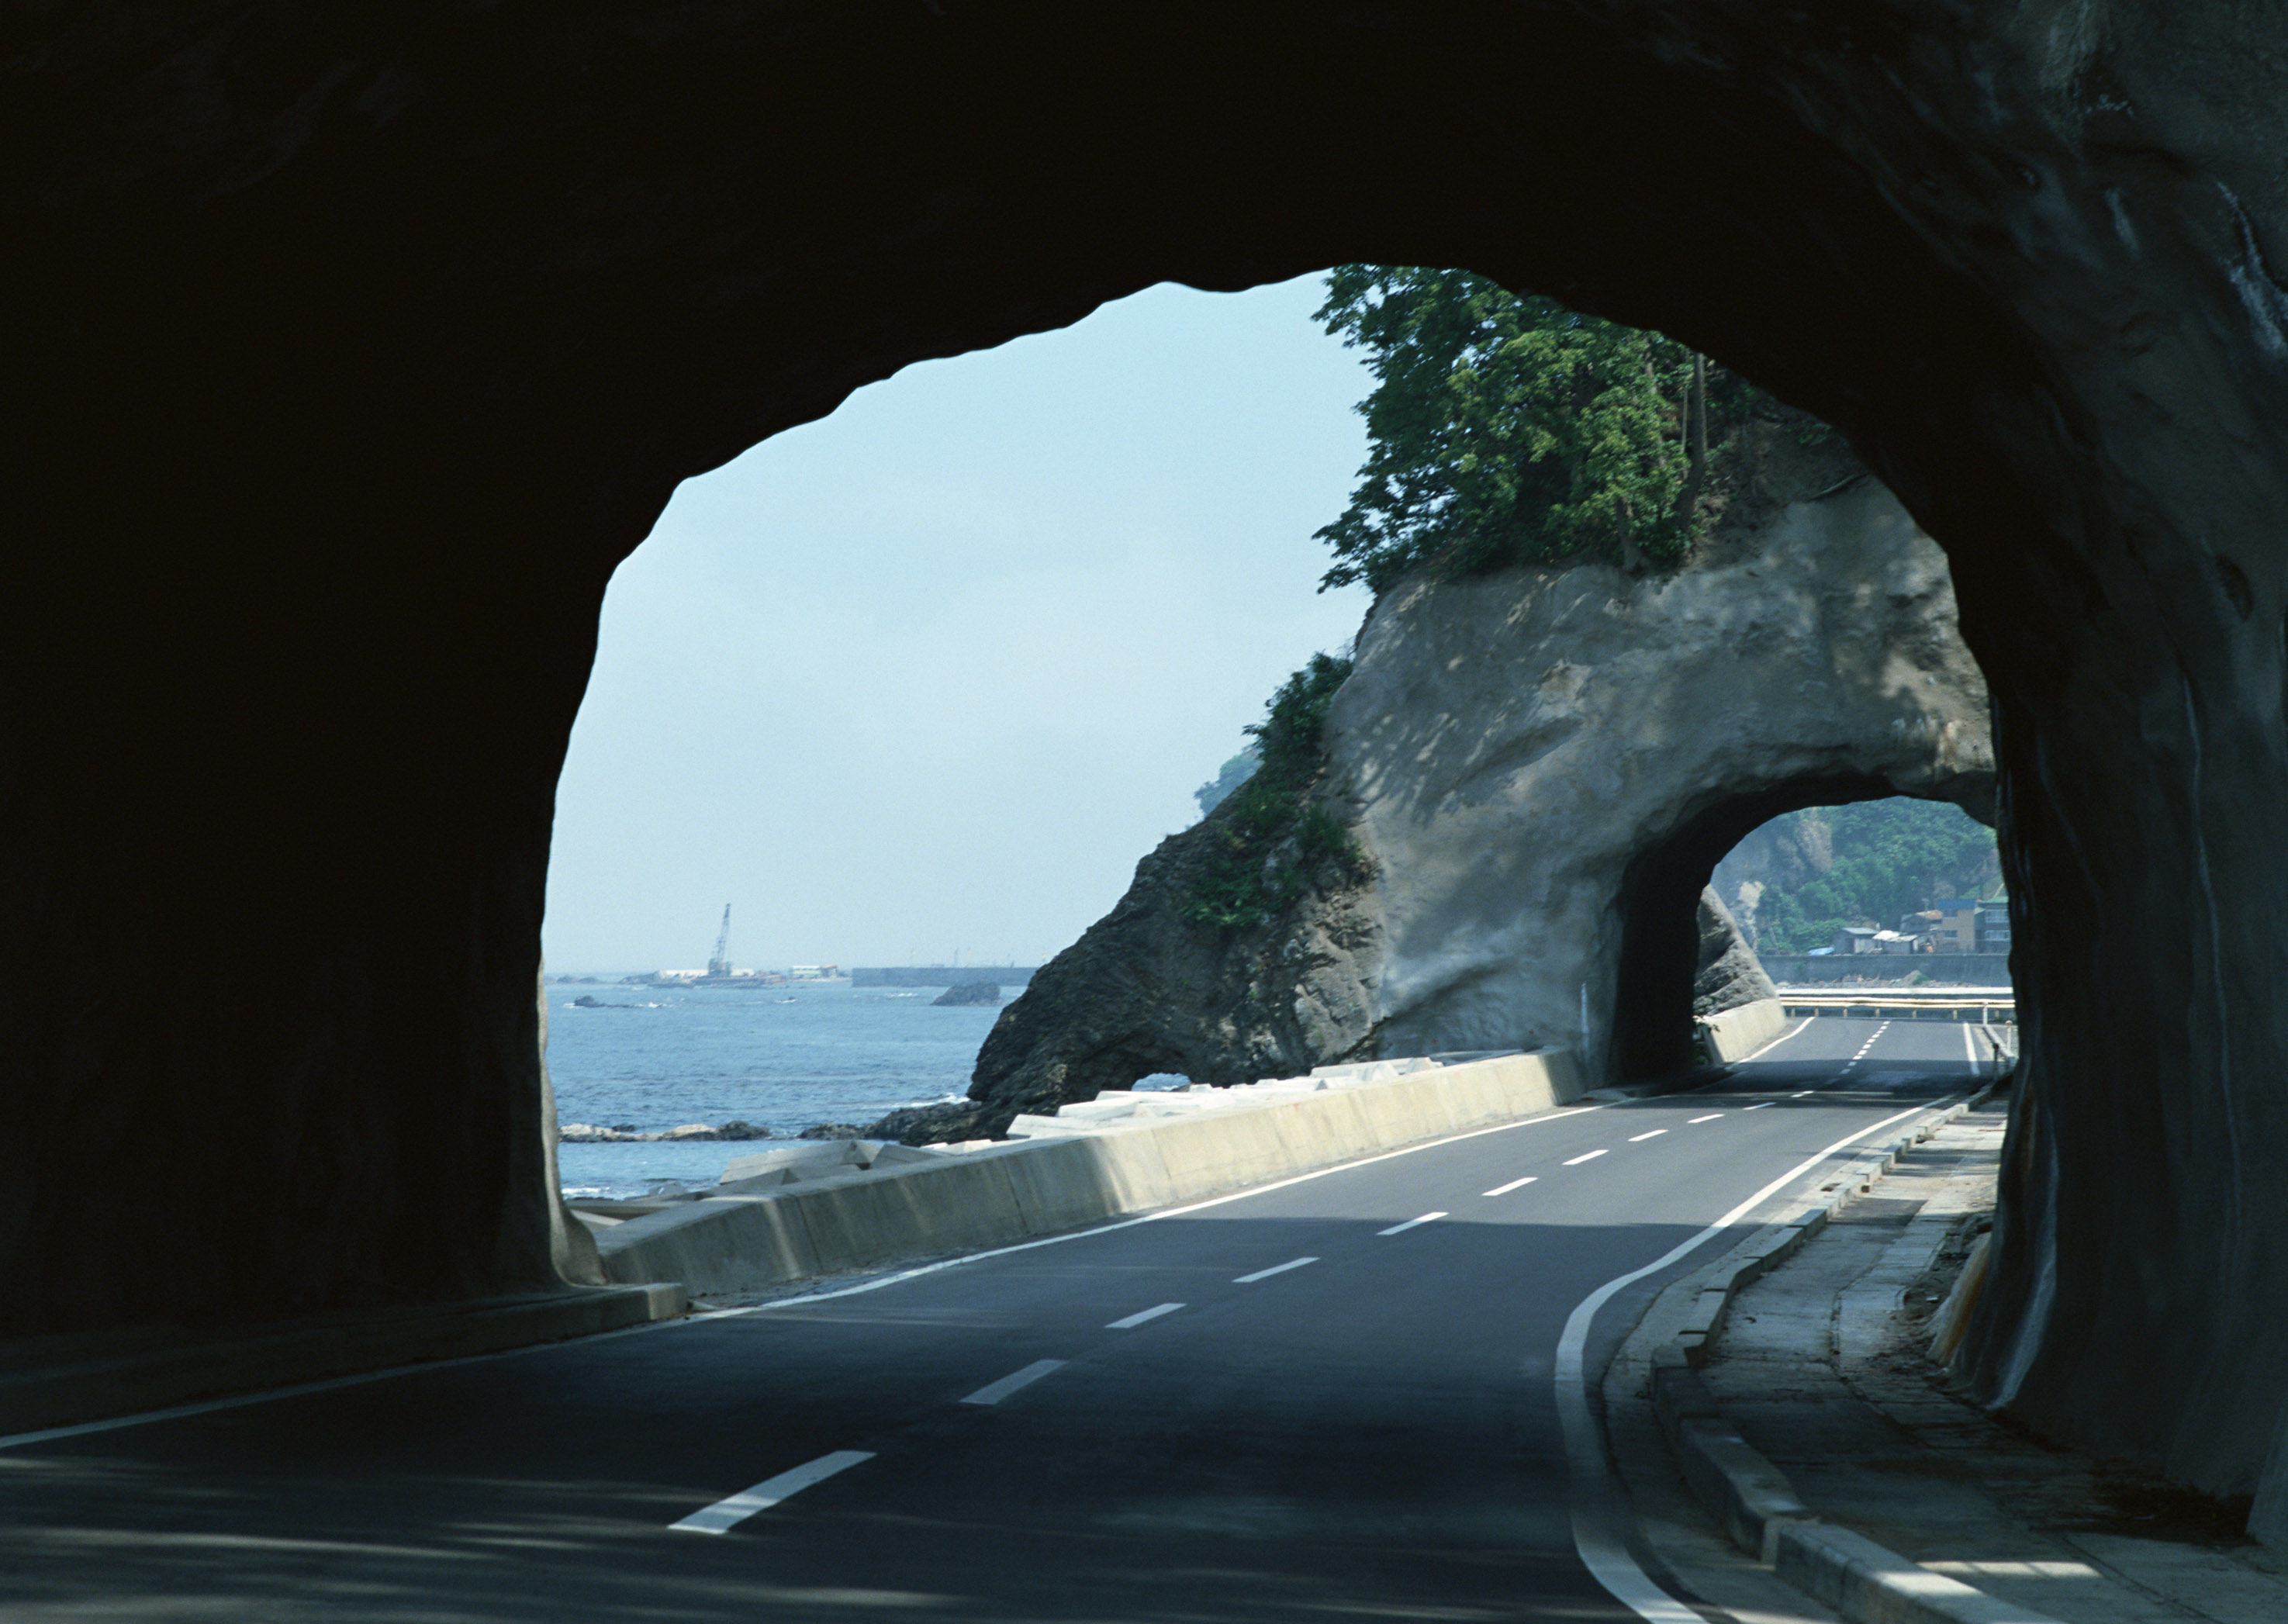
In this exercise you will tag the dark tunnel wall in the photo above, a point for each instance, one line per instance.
(348, 348)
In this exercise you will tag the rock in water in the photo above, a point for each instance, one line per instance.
(983, 993)
(832, 1130)
(742, 1130)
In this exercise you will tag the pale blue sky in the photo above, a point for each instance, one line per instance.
(929, 676)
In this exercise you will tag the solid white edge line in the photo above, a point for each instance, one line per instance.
(729, 1512)
(1400, 1229)
(1970, 1048)
(994, 1392)
(1578, 1160)
(1133, 1320)
(1608, 1561)
(1265, 1274)
(1514, 1184)
(1777, 1041)
(208, 1406)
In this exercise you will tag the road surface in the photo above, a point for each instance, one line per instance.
(1331, 1400)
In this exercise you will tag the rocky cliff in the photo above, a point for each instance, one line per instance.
(1538, 770)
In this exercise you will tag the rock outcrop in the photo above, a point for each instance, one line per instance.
(1539, 768)
(968, 994)
(1727, 973)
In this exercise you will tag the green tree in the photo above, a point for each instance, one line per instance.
(1504, 429)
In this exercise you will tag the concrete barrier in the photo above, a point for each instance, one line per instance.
(1120, 1154)
(1735, 1035)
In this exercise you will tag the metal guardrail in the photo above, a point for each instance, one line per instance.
(1986, 1009)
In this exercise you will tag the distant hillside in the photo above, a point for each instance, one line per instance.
(1797, 879)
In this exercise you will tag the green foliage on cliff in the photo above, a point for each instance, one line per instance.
(1267, 834)
(1885, 860)
(1505, 431)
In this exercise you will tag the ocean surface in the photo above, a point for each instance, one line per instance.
(782, 1058)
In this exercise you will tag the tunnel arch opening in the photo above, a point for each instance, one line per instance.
(1662, 942)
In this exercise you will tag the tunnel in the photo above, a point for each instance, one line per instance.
(1659, 903)
(350, 350)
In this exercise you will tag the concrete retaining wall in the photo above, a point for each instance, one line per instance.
(1968, 969)
(1736, 1033)
(1119, 1153)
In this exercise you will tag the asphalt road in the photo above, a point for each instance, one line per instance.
(1371, 1432)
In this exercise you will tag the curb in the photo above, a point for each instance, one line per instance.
(1752, 1499)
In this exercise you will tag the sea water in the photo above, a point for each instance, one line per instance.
(780, 1057)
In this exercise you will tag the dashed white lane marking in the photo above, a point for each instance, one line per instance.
(1639, 1138)
(1578, 1160)
(1710, 1117)
(1514, 1184)
(1760, 1105)
(1805, 1094)
(805, 1299)
(1133, 1320)
(1400, 1229)
(1265, 1274)
(725, 1515)
(994, 1392)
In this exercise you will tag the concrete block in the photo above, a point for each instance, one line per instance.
(727, 1243)
(816, 1151)
(864, 1219)
(1060, 1185)
(1735, 1035)
(1134, 1162)
(1205, 1154)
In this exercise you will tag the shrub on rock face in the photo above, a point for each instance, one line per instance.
(1267, 834)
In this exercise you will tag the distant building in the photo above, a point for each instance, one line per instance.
(1856, 938)
(1921, 927)
(1994, 925)
(1957, 931)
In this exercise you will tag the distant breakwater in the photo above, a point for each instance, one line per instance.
(941, 975)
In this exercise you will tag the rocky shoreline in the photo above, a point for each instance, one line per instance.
(588, 1133)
